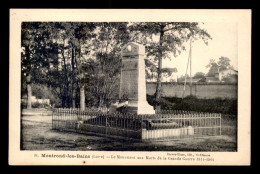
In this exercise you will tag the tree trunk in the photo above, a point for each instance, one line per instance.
(159, 79)
(63, 102)
(28, 78)
(29, 92)
(101, 102)
(73, 78)
(73, 99)
(81, 75)
(66, 88)
(82, 98)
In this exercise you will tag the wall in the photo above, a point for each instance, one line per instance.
(206, 91)
(226, 73)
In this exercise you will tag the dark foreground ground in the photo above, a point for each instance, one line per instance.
(38, 135)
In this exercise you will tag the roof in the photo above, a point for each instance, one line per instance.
(229, 69)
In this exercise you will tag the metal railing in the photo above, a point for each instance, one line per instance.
(178, 125)
(162, 125)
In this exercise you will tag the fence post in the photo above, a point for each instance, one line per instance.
(106, 124)
(142, 128)
(58, 118)
(52, 119)
(220, 125)
(215, 117)
(192, 119)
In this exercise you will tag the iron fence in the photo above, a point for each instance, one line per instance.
(162, 125)
(178, 125)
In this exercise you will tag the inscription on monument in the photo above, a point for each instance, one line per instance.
(130, 89)
(128, 65)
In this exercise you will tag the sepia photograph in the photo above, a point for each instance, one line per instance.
(129, 87)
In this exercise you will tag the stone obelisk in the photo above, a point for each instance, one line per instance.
(132, 82)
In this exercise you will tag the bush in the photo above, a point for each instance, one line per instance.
(230, 78)
(43, 92)
(191, 103)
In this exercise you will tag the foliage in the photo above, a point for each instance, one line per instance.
(105, 68)
(224, 63)
(40, 105)
(230, 78)
(23, 104)
(191, 103)
(41, 91)
(54, 56)
(172, 39)
(199, 75)
(65, 58)
(182, 78)
(214, 67)
(175, 34)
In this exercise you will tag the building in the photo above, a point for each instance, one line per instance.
(35, 100)
(226, 73)
(42, 101)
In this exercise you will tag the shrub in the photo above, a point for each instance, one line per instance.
(191, 103)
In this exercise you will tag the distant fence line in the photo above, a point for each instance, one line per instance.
(174, 124)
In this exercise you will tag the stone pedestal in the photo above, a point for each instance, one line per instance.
(132, 83)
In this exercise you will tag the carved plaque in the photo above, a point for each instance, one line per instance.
(129, 84)
(129, 65)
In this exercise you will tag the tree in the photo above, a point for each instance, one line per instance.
(26, 58)
(58, 55)
(182, 78)
(224, 63)
(49, 59)
(37, 47)
(83, 35)
(76, 37)
(150, 70)
(172, 36)
(214, 68)
(105, 68)
(199, 75)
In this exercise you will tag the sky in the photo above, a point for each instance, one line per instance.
(223, 43)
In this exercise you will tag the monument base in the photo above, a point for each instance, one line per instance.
(133, 107)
